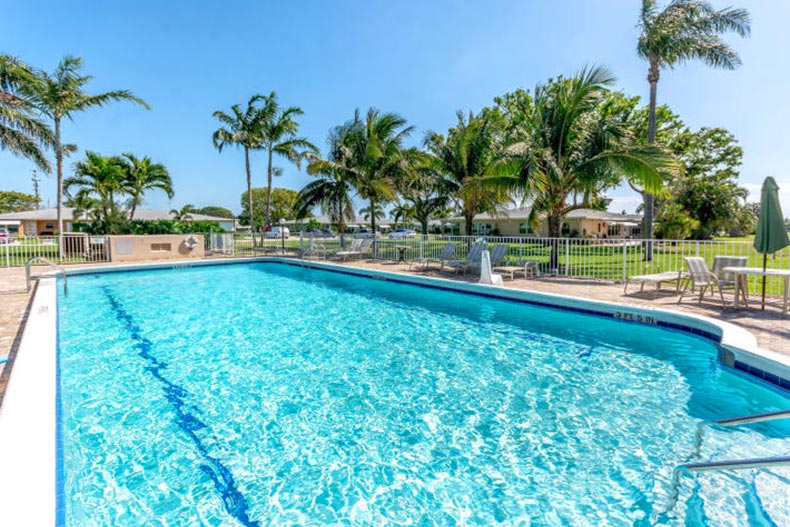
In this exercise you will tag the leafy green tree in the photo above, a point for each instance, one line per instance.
(21, 132)
(284, 205)
(471, 151)
(143, 175)
(12, 201)
(242, 128)
(59, 96)
(684, 30)
(96, 187)
(218, 212)
(709, 188)
(570, 145)
(280, 137)
(674, 223)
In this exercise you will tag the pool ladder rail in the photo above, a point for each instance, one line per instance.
(731, 464)
(58, 269)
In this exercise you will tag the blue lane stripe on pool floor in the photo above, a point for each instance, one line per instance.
(234, 501)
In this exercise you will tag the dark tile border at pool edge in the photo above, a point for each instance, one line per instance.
(774, 380)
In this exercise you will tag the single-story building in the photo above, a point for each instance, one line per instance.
(584, 223)
(44, 222)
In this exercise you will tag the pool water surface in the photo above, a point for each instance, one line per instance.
(270, 394)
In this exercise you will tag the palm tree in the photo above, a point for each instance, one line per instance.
(427, 196)
(378, 159)
(59, 96)
(684, 30)
(332, 190)
(402, 212)
(184, 213)
(143, 175)
(566, 149)
(21, 132)
(471, 151)
(243, 128)
(378, 212)
(99, 182)
(279, 132)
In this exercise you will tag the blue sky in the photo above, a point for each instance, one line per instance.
(424, 60)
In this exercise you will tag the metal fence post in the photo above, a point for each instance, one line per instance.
(625, 261)
(567, 256)
(7, 256)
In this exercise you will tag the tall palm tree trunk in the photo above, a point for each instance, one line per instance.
(373, 225)
(468, 223)
(267, 212)
(652, 78)
(59, 163)
(555, 231)
(249, 194)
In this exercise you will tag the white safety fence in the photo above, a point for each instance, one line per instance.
(77, 248)
(603, 259)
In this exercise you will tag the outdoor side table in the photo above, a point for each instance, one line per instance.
(758, 271)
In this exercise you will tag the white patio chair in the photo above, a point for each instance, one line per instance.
(359, 246)
(726, 279)
(446, 254)
(497, 254)
(471, 258)
(700, 276)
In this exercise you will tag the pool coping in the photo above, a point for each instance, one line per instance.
(29, 438)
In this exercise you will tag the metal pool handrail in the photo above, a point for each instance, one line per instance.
(731, 464)
(58, 269)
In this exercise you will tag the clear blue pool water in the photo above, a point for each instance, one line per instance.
(268, 394)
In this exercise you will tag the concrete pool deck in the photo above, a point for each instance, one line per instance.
(770, 327)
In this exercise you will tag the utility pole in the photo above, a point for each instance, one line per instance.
(36, 181)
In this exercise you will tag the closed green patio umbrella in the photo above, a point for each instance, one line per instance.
(771, 235)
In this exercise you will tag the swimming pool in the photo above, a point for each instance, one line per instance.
(271, 394)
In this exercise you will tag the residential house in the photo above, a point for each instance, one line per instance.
(44, 222)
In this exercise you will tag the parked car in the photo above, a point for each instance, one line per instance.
(277, 233)
(5, 236)
(367, 234)
(402, 233)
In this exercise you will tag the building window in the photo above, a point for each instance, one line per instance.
(566, 229)
(525, 228)
(49, 225)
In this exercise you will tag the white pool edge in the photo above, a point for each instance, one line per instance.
(28, 419)
(28, 415)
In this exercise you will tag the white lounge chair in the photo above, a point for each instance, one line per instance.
(700, 276)
(496, 253)
(359, 246)
(473, 256)
(446, 254)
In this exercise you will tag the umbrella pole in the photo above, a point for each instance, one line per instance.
(765, 260)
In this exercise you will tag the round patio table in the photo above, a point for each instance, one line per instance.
(758, 271)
